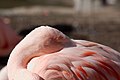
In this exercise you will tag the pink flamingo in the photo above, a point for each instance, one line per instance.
(47, 54)
(8, 38)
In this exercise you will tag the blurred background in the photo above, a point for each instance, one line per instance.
(94, 20)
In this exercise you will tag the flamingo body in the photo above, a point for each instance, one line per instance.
(47, 54)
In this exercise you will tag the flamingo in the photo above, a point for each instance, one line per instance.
(48, 54)
(8, 38)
